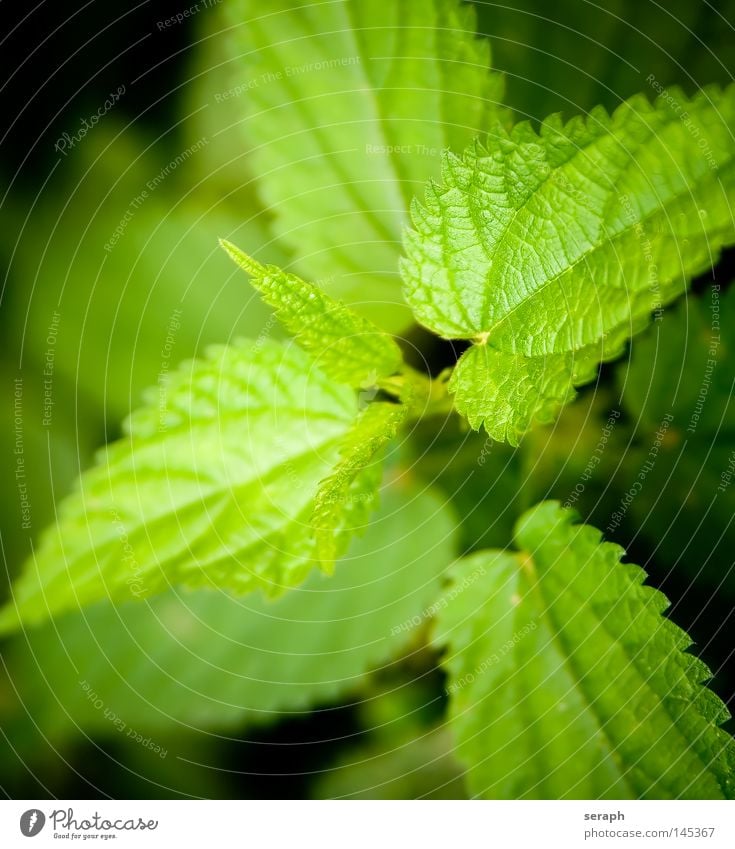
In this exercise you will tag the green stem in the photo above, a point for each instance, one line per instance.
(425, 396)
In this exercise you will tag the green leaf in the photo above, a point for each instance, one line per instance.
(345, 116)
(551, 249)
(345, 497)
(418, 766)
(212, 485)
(519, 390)
(208, 660)
(346, 346)
(566, 681)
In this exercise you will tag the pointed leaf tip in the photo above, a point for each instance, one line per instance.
(239, 257)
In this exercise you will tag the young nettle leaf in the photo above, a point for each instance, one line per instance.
(516, 389)
(212, 485)
(566, 681)
(346, 346)
(548, 250)
(345, 116)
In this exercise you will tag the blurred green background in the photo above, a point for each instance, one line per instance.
(108, 244)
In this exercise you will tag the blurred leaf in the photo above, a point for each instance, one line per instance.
(401, 751)
(482, 478)
(627, 460)
(684, 508)
(222, 170)
(209, 660)
(566, 682)
(121, 259)
(648, 484)
(345, 115)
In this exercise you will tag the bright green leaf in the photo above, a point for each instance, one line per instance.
(551, 249)
(346, 346)
(420, 765)
(346, 115)
(566, 681)
(212, 485)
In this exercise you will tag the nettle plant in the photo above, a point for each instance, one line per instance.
(545, 250)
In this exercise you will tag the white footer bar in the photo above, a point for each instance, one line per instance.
(353, 825)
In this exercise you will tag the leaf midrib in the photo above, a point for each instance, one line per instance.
(640, 221)
(559, 633)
